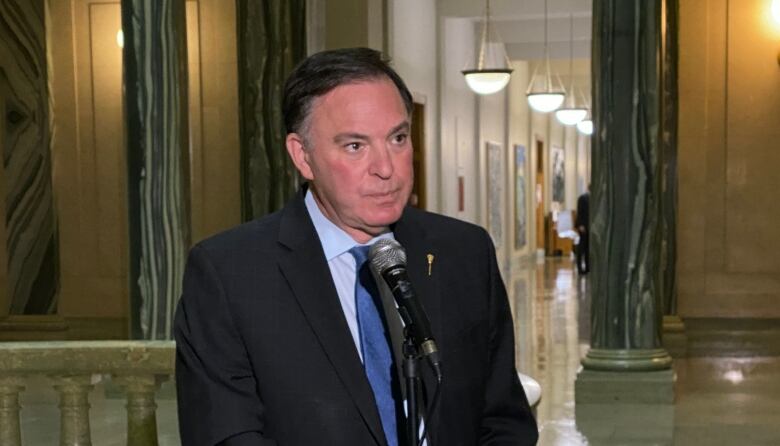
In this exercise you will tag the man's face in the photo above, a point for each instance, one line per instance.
(360, 159)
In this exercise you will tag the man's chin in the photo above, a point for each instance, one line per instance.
(383, 218)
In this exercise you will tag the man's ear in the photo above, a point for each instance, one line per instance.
(297, 152)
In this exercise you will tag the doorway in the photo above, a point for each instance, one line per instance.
(418, 198)
(539, 196)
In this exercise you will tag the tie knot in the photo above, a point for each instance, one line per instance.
(360, 253)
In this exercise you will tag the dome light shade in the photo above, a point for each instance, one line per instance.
(545, 102)
(492, 72)
(585, 127)
(548, 97)
(570, 116)
(487, 81)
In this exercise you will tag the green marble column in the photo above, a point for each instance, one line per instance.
(271, 41)
(30, 278)
(155, 70)
(674, 338)
(627, 189)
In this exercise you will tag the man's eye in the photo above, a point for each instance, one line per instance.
(353, 146)
(400, 138)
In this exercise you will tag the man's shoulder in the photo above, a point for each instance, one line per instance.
(256, 234)
(443, 226)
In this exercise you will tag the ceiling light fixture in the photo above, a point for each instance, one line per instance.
(571, 114)
(585, 126)
(547, 98)
(488, 80)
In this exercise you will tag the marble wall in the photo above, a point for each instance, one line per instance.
(30, 262)
(271, 42)
(728, 235)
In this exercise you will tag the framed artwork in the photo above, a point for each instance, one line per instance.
(558, 172)
(520, 196)
(494, 193)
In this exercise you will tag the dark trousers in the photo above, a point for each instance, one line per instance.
(583, 253)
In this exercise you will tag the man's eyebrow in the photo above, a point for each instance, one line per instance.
(343, 137)
(347, 136)
(402, 126)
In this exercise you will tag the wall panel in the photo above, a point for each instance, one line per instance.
(729, 102)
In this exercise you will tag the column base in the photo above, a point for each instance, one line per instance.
(627, 360)
(674, 337)
(619, 424)
(630, 387)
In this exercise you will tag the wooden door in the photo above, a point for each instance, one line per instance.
(418, 198)
(539, 195)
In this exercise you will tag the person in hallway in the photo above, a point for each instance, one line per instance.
(582, 223)
(281, 335)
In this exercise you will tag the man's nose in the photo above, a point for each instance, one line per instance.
(381, 162)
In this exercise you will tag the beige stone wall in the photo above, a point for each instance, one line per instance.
(89, 158)
(729, 154)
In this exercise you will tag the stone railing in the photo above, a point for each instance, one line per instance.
(138, 367)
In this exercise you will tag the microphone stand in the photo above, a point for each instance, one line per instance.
(411, 366)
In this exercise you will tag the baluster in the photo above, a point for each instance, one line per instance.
(10, 429)
(74, 409)
(141, 407)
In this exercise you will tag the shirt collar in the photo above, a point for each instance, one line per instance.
(335, 241)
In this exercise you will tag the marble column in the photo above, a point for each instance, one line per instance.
(271, 41)
(155, 59)
(674, 338)
(30, 275)
(626, 361)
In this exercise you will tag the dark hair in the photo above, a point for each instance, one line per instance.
(322, 72)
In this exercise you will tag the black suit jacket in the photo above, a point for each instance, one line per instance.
(583, 212)
(265, 356)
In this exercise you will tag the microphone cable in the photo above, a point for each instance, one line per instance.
(431, 408)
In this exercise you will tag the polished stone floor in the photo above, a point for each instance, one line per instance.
(727, 390)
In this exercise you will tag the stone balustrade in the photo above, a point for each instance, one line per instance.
(138, 367)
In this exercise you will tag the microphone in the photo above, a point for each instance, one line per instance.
(388, 258)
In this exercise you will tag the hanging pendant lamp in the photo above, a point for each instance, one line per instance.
(483, 80)
(585, 126)
(571, 114)
(547, 98)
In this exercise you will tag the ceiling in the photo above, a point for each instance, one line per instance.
(520, 25)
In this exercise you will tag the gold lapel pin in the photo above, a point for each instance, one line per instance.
(430, 263)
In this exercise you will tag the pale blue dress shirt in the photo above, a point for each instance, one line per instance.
(336, 244)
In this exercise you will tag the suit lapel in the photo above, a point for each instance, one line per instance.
(308, 275)
(418, 243)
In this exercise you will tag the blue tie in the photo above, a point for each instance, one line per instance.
(374, 343)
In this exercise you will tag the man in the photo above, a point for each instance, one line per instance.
(582, 223)
(273, 347)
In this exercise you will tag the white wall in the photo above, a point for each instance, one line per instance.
(413, 49)
(458, 118)
(570, 146)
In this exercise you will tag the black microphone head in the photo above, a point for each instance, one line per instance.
(386, 253)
